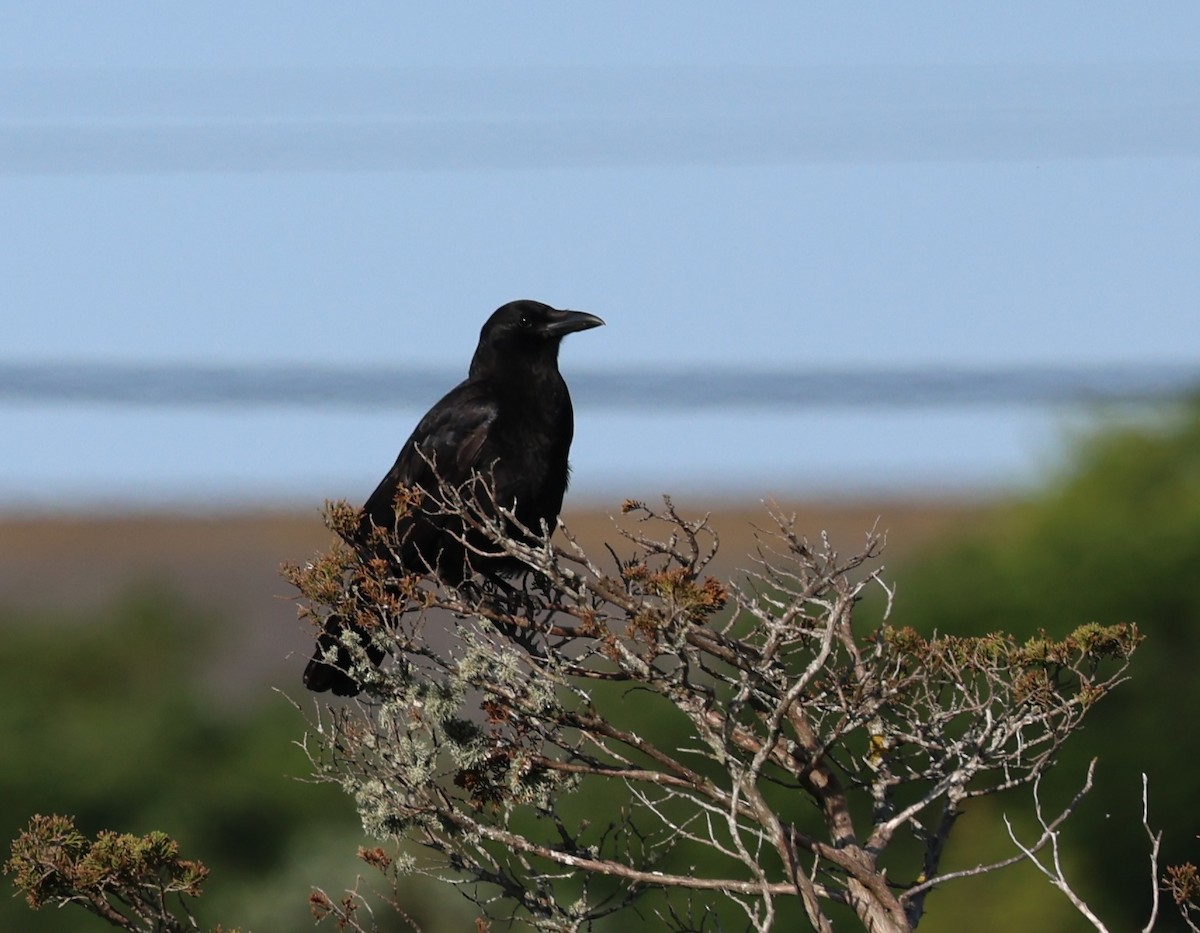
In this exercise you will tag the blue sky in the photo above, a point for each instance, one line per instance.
(772, 185)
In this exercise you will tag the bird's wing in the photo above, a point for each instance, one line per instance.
(449, 442)
(447, 446)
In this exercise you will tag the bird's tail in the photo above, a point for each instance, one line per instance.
(322, 674)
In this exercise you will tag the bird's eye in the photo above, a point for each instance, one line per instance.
(526, 322)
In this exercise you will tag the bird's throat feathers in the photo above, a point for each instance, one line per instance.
(533, 368)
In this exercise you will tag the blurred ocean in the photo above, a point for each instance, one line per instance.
(81, 436)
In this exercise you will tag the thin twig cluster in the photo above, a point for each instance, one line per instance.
(631, 733)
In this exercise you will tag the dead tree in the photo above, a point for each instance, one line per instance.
(632, 733)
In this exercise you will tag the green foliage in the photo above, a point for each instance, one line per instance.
(1114, 538)
(130, 881)
(110, 718)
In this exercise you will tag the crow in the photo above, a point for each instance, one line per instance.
(509, 421)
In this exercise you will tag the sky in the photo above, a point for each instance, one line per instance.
(790, 187)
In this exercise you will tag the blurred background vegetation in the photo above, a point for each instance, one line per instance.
(111, 713)
(1113, 537)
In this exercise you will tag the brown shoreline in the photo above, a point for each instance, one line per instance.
(226, 564)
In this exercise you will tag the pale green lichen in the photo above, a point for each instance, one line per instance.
(442, 700)
(484, 663)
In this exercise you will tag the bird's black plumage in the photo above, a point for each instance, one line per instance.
(510, 421)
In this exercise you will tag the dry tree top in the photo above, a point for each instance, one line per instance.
(624, 731)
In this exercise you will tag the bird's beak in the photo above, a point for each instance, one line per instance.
(568, 322)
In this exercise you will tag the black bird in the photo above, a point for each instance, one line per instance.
(511, 421)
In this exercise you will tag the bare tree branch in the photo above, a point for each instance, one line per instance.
(569, 739)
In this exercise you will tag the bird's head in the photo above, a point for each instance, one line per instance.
(528, 330)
